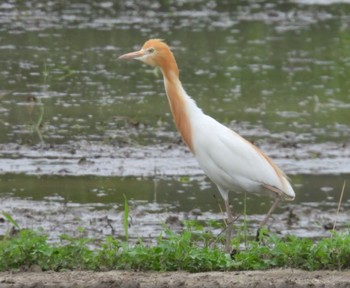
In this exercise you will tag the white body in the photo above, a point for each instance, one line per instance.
(229, 160)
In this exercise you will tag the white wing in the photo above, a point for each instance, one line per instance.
(233, 163)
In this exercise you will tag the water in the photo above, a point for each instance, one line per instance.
(79, 128)
(185, 193)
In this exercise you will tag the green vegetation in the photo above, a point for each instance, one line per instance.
(190, 250)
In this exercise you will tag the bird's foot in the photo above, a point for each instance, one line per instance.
(233, 253)
(261, 233)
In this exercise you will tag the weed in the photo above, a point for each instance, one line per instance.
(126, 219)
(187, 251)
(339, 204)
(9, 219)
(23, 250)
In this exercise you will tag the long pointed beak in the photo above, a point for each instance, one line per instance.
(132, 55)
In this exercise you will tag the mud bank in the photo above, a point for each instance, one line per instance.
(87, 279)
(302, 220)
(86, 158)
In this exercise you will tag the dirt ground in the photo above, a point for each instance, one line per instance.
(123, 279)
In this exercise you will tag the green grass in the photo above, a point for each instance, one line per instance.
(191, 250)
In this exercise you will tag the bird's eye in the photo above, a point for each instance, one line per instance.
(151, 50)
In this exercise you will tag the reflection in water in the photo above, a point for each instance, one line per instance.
(186, 193)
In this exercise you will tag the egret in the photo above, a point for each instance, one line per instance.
(229, 160)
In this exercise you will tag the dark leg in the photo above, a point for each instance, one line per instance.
(273, 207)
(229, 226)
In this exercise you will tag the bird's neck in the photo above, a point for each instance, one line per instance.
(182, 106)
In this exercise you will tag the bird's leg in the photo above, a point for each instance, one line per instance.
(273, 207)
(229, 226)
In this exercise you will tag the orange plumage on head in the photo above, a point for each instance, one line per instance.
(162, 57)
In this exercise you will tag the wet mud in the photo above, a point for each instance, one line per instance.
(88, 158)
(59, 216)
(146, 220)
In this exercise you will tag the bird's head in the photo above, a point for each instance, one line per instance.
(155, 53)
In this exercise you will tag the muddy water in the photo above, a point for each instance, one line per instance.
(78, 129)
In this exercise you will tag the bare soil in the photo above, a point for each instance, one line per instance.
(123, 279)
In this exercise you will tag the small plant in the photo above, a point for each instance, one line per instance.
(9, 219)
(23, 250)
(126, 219)
(191, 250)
